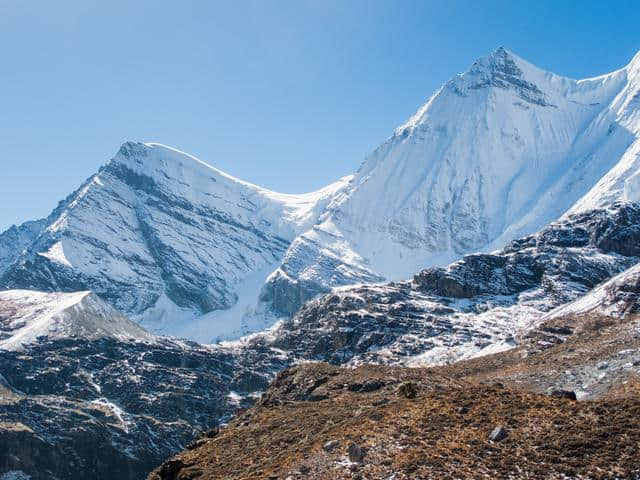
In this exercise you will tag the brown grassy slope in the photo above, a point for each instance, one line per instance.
(430, 436)
(538, 365)
(444, 431)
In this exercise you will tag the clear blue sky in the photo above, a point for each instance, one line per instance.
(288, 95)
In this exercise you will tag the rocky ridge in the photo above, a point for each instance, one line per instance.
(475, 306)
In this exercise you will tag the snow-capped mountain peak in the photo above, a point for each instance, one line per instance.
(496, 153)
(164, 237)
(503, 69)
(146, 164)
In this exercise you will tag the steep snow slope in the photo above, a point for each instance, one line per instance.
(164, 237)
(26, 315)
(622, 181)
(498, 152)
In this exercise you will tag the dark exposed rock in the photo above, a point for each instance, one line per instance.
(317, 396)
(569, 394)
(381, 402)
(170, 469)
(117, 408)
(390, 323)
(356, 453)
(367, 386)
(211, 433)
(561, 330)
(197, 444)
(526, 262)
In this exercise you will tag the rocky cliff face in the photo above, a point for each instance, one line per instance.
(16, 239)
(106, 408)
(85, 392)
(473, 306)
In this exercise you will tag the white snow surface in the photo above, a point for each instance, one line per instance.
(26, 315)
(56, 254)
(496, 153)
(246, 316)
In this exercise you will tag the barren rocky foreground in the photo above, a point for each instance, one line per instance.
(499, 416)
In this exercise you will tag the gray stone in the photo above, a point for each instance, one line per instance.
(330, 446)
(498, 434)
(356, 453)
(408, 390)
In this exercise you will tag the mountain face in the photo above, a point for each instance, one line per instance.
(166, 241)
(498, 152)
(616, 298)
(16, 239)
(475, 306)
(127, 402)
(113, 408)
(484, 399)
(162, 237)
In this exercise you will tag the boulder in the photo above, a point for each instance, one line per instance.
(498, 434)
(330, 446)
(568, 394)
(356, 453)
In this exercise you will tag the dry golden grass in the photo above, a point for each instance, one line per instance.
(424, 437)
